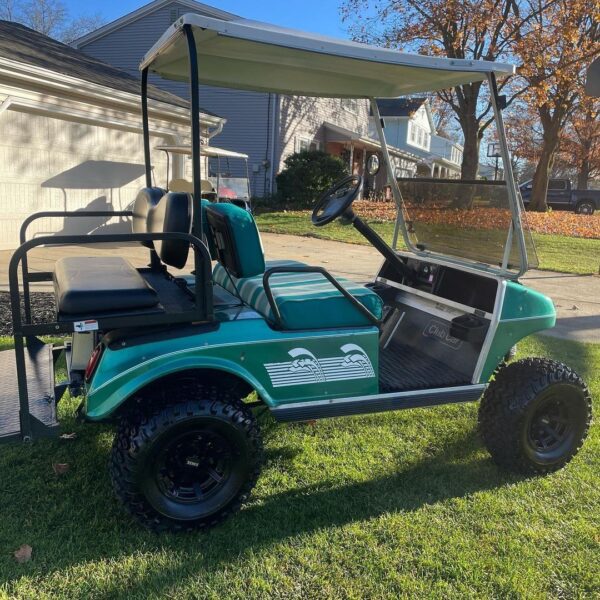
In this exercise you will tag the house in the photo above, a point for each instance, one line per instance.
(409, 126)
(267, 127)
(70, 135)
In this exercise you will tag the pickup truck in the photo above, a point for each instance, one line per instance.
(562, 195)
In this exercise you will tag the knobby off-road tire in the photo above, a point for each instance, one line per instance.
(535, 415)
(188, 463)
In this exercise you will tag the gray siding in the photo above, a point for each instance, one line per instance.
(247, 113)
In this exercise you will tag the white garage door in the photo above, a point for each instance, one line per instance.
(52, 164)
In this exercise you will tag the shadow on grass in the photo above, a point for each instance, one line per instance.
(74, 521)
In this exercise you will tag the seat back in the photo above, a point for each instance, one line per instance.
(173, 214)
(146, 199)
(236, 239)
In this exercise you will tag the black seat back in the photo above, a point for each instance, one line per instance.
(146, 199)
(172, 214)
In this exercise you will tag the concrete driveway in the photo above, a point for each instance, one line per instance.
(577, 297)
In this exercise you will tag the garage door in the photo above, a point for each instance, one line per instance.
(52, 164)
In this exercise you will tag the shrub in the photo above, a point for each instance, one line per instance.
(307, 175)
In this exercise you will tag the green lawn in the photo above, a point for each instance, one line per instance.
(555, 252)
(395, 505)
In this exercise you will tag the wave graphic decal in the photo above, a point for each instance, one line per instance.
(306, 368)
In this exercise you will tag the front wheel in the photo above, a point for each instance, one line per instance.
(188, 464)
(535, 415)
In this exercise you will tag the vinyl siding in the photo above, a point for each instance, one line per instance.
(304, 118)
(248, 114)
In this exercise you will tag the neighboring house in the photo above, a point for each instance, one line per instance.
(409, 126)
(267, 127)
(70, 135)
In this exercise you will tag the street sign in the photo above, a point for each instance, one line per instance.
(493, 150)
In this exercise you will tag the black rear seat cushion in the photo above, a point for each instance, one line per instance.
(88, 286)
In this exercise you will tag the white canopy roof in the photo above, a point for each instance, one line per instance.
(249, 55)
(211, 151)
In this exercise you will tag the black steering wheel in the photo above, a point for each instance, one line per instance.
(336, 200)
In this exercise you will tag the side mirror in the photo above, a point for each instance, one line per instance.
(373, 165)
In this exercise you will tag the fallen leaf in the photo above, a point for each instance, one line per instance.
(68, 436)
(575, 307)
(60, 468)
(23, 554)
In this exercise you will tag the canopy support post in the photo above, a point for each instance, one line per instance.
(397, 195)
(146, 128)
(197, 231)
(513, 194)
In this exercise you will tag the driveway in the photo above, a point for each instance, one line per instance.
(577, 297)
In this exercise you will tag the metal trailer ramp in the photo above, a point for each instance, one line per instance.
(39, 369)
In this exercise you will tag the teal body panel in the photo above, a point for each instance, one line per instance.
(524, 311)
(282, 366)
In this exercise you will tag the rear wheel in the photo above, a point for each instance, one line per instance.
(585, 207)
(535, 415)
(188, 464)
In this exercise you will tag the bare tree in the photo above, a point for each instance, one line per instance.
(50, 17)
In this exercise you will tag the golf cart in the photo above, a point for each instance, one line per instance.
(220, 185)
(180, 361)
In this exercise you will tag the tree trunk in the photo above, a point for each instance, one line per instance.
(583, 176)
(470, 163)
(544, 170)
(583, 173)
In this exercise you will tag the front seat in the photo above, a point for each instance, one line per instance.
(304, 300)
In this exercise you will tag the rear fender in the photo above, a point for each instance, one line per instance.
(103, 401)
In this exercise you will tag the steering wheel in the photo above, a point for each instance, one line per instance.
(336, 200)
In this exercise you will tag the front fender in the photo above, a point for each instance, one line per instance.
(104, 400)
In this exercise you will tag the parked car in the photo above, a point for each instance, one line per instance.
(562, 195)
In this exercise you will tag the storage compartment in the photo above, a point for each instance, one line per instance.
(465, 288)
(469, 328)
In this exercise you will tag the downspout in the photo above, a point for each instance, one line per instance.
(211, 134)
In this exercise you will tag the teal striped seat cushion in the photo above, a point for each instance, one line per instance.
(305, 300)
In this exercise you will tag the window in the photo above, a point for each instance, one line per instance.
(557, 184)
(417, 136)
(305, 143)
(412, 132)
(350, 104)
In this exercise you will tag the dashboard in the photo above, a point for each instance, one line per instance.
(442, 281)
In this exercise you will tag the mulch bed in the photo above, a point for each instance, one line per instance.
(42, 308)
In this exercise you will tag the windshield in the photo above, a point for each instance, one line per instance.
(464, 219)
(231, 187)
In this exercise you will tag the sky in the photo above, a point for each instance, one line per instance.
(317, 16)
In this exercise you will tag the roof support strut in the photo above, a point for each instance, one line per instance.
(146, 128)
(196, 171)
(391, 177)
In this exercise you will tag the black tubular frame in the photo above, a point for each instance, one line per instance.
(320, 270)
(195, 130)
(146, 128)
(22, 331)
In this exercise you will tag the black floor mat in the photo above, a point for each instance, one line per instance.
(403, 368)
(173, 298)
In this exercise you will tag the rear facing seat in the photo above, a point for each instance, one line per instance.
(89, 286)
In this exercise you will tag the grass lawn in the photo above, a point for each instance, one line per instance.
(395, 505)
(555, 252)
